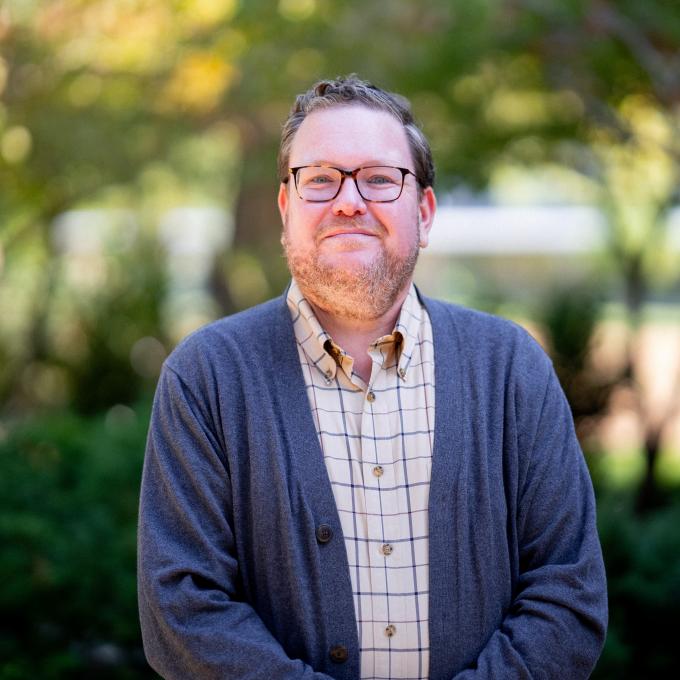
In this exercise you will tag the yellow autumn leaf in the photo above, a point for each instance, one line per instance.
(198, 83)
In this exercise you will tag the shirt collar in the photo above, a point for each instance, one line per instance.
(407, 330)
(327, 356)
(309, 334)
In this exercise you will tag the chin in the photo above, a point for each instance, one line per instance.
(349, 261)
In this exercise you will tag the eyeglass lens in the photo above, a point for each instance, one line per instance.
(380, 183)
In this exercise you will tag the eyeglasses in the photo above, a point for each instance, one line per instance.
(375, 183)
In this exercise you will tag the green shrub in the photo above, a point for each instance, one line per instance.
(642, 557)
(68, 507)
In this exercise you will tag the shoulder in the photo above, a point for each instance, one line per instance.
(488, 342)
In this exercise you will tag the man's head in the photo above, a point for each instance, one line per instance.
(355, 199)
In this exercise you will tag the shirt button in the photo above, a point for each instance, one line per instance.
(338, 653)
(328, 374)
(402, 373)
(378, 470)
(370, 396)
(324, 533)
(390, 630)
(386, 549)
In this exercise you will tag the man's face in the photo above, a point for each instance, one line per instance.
(353, 257)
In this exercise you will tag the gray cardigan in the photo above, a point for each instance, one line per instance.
(232, 580)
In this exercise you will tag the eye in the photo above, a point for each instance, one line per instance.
(380, 179)
(318, 179)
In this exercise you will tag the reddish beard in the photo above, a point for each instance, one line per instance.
(364, 292)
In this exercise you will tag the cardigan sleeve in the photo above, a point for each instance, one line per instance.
(193, 623)
(555, 626)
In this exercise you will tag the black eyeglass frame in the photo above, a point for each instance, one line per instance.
(344, 174)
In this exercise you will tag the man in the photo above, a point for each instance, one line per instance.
(353, 481)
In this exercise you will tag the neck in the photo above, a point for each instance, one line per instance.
(355, 336)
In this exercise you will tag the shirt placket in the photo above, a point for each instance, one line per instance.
(382, 507)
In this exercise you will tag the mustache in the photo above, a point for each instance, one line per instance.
(350, 223)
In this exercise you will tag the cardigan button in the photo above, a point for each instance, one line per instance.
(338, 654)
(324, 533)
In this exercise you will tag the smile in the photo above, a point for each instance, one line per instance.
(348, 231)
(351, 233)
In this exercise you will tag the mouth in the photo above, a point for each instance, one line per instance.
(335, 231)
(336, 234)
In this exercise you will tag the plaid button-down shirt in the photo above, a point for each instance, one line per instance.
(377, 442)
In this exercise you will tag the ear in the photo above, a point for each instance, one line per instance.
(282, 201)
(426, 209)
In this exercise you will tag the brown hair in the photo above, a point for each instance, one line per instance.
(352, 90)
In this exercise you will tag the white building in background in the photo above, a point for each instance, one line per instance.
(518, 252)
(499, 230)
(517, 230)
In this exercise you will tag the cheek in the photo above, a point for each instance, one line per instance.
(305, 219)
(405, 229)
(299, 230)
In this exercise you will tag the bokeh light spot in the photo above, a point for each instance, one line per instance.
(199, 82)
(45, 384)
(119, 416)
(16, 144)
(210, 12)
(147, 356)
(297, 10)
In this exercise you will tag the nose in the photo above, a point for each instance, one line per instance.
(349, 201)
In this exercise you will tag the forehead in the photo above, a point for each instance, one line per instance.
(350, 136)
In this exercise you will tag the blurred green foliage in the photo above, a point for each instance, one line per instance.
(68, 506)
(569, 317)
(90, 344)
(143, 106)
(642, 557)
(119, 367)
